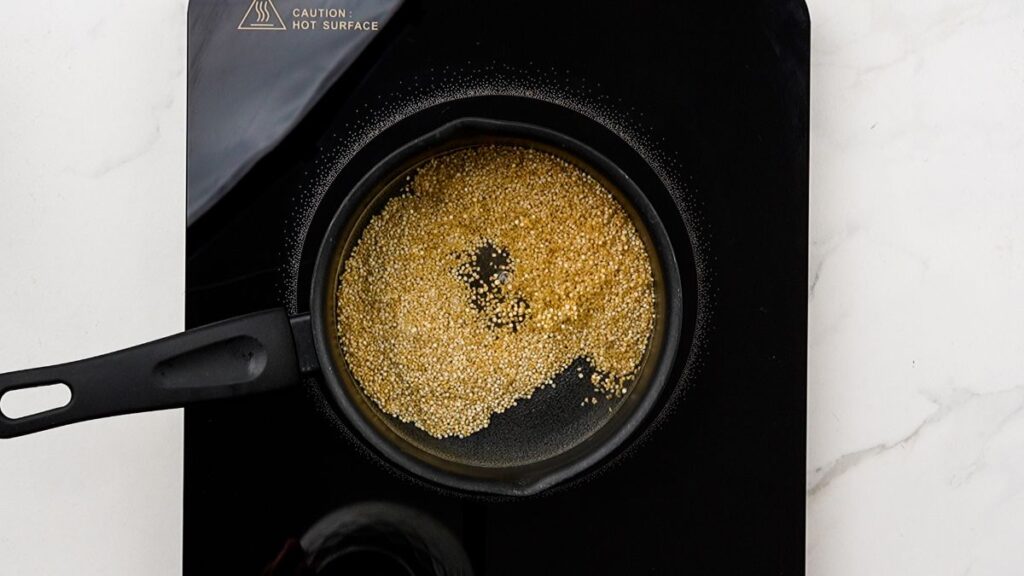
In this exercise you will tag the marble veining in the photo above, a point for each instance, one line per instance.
(916, 351)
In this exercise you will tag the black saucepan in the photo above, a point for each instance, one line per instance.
(528, 448)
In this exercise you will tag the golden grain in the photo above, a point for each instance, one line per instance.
(492, 272)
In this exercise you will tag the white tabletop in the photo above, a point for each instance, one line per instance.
(92, 203)
(916, 336)
(916, 345)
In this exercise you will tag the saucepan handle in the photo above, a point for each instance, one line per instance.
(243, 355)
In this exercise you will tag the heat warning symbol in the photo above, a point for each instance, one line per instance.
(261, 15)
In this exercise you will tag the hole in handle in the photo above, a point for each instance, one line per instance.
(35, 400)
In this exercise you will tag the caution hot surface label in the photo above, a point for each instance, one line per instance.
(264, 15)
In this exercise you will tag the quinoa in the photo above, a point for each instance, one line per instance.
(489, 274)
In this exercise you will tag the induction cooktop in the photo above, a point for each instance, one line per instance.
(712, 96)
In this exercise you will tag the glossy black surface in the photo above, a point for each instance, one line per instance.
(719, 487)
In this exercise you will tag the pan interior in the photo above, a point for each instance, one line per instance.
(557, 423)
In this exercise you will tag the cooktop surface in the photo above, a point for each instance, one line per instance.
(714, 99)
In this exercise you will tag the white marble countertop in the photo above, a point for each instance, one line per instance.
(92, 216)
(916, 331)
(916, 346)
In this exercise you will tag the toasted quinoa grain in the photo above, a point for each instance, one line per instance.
(494, 269)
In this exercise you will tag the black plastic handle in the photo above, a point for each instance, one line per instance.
(243, 355)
